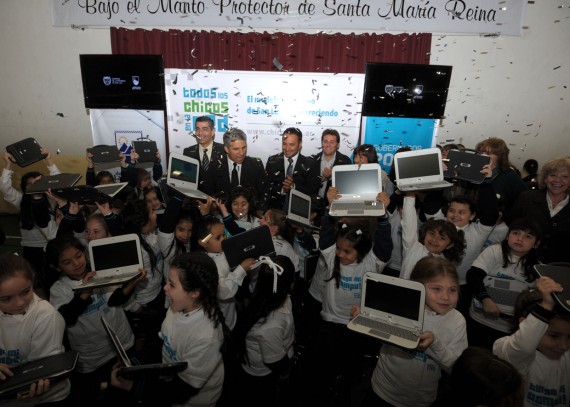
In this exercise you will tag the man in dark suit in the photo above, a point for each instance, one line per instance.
(248, 173)
(207, 151)
(290, 169)
(328, 158)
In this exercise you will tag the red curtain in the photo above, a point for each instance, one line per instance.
(332, 53)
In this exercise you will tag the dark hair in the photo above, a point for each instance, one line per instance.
(465, 200)
(278, 218)
(27, 216)
(293, 130)
(207, 119)
(498, 147)
(134, 216)
(331, 132)
(528, 261)
(57, 246)
(263, 300)
(142, 174)
(446, 228)
(430, 267)
(103, 174)
(101, 219)
(531, 166)
(249, 197)
(368, 151)
(392, 174)
(12, 264)
(361, 240)
(480, 378)
(203, 228)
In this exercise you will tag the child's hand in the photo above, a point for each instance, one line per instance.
(426, 339)
(89, 158)
(119, 382)
(332, 194)
(354, 311)
(104, 208)
(247, 263)
(384, 198)
(5, 371)
(8, 159)
(205, 207)
(129, 287)
(36, 389)
(546, 286)
(58, 200)
(134, 157)
(487, 170)
(123, 160)
(490, 309)
(222, 207)
(48, 160)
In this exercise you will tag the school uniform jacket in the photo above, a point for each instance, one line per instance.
(218, 155)
(306, 176)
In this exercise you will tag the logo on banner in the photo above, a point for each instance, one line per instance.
(136, 82)
(107, 80)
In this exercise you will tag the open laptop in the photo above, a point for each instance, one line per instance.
(53, 182)
(299, 211)
(419, 170)
(128, 370)
(146, 149)
(111, 189)
(391, 309)
(559, 272)
(504, 292)
(104, 154)
(115, 259)
(359, 185)
(54, 367)
(26, 152)
(466, 166)
(252, 243)
(82, 194)
(183, 175)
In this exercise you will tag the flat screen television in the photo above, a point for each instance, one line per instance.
(405, 90)
(122, 81)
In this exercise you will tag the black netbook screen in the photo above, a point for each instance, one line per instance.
(418, 166)
(114, 255)
(389, 298)
(299, 206)
(357, 181)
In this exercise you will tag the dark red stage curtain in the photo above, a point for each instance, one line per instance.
(328, 53)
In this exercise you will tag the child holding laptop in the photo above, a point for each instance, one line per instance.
(403, 379)
(30, 329)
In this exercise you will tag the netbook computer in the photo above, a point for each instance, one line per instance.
(82, 194)
(128, 370)
(466, 166)
(54, 367)
(559, 272)
(299, 211)
(26, 152)
(359, 185)
(183, 175)
(146, 149)
(504, 292)
(252, 244)
(419, 170)
(391, 309)
(53, 182)
(112, 189)
(116, 260)
(104, 154)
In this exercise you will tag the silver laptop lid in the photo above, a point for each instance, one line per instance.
(418, 167)
(357, 182)
(299, 207)
(394, 300)
(183, 171)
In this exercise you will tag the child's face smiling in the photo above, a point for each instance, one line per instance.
(72, 262)
(442, 293)
(345, 252)
(435, 242)
(16, 294)
(214, 245)
(180, 300)
(459, 214)
(556, 341)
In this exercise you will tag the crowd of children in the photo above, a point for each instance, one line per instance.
(273, 331)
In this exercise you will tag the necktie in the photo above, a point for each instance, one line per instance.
(205, 160)
(235, 179)
(290, 167)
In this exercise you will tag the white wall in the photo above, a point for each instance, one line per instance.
(506, 86)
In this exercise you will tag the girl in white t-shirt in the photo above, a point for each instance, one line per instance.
(264, 335)
(82, 312)
(30, 329)
(539, 348)
(405, 378)
(512, 260)
(194, 332)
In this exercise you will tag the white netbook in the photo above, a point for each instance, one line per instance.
(391, 309)
(183, 175)
(116, 260)
(299, 211)
(112, 189)
(420, 170)
(359, 185)
(504, 292)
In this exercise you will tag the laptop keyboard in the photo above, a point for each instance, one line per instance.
(382, 327)
(505, 297)
(357, 206)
